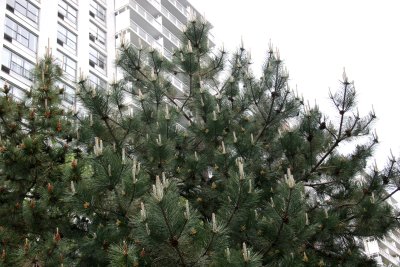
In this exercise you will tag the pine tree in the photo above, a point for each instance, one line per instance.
(34, 148)
(233, 171)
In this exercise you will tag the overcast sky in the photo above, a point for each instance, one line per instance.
(316, 39)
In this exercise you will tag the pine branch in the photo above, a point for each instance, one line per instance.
(342, 111)
(111, 132)
(283, 217)
(236, 206)
(276, 87)
(171, 236)
(390, 195)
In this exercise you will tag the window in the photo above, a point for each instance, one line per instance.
(25, 8)
(68, 94)
(15, 91)
(97, 11)
(67, 65)
(65, 37)
(15, 31)
(97, 35)
(67, 12)
(17, 64)
(97, 82)
(97, 59)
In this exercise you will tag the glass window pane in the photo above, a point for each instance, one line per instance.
(17, 64)
(17, 60)
(63, 6)
(67, 37)
(24, 32)
(98, 11)
(32, 42)
(33, 12)
(21, 34)
(68, 11)
(9, 29)
(21, 9)
(26, 9)
(6, 57)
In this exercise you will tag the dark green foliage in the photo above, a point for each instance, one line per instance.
(32, 163)
(230, 171)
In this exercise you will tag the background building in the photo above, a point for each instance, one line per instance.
(84, 36)
(386, 250)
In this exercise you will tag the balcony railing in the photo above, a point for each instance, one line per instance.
(172, 18)
(180, 7)
(167, 54)
(394, 235)
(146, 15)
(391, 246)
(390, 258)
(155, 3)
(177, 83)
(145, 36)
(171, 37)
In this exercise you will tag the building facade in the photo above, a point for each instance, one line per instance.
(84, 36)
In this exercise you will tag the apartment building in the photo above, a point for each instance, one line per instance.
(84, 36)
(386, 250)
(79, 33)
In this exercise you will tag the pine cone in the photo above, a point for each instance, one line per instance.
(59, 126)
(50, 187)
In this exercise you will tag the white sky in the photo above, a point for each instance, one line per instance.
(316, 39)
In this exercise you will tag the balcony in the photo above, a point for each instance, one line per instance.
(177, 83)
(172, 18)
(152, 6)
(180, 7)
(172, 38)
(390, 245)
(177, 9)
(167, 54)
(396, 232)
(145, 18)
(395, 236)
(389, 259)
(144, 36)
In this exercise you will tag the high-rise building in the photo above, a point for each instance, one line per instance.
(84, 36)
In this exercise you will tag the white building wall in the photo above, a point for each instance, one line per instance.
(158, 23)
(47, 25)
